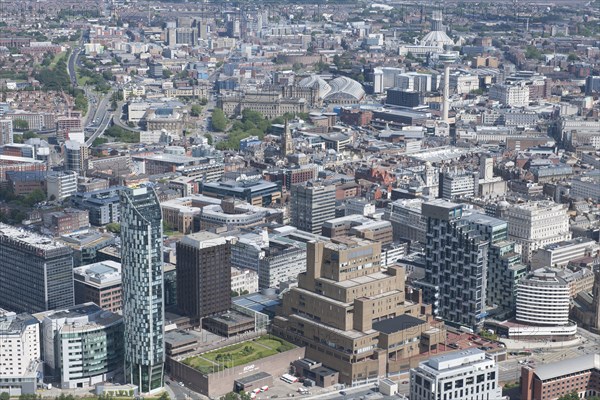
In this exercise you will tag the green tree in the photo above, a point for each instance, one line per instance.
(219, 121)
(34, 197)
(230, 396)
(81, 102)
(245, 395)
(29, 135)
(533, 53)
(196, 110)
(20, 124)
(166, 73)
(28, 397)
(164, 396)
(570, 396)
(4, 396)
(209, 138)
(113, 227)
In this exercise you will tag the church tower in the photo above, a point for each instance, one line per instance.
(287, 143)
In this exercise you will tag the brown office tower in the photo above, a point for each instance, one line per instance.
(203, 275)
(352, 316)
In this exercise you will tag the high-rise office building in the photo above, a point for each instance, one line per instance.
(143, 302)
(457, 261)
(203, 275)
(36, 273)
(312, 203)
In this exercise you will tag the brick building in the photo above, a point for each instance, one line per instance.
(554, 380)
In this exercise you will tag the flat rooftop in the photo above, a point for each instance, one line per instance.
(100, 273)
(29, 238)
(397, 324)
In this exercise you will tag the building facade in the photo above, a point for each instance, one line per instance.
(61, 184)
(554, 380)
(351, 315)
(311, 205)
(463, 375)
(82, 345)
(36, 265)
(457, 261)
(543, 298)
(99, 283)
(19, 352)
(143, 302)
(536, 224)
(203, 275)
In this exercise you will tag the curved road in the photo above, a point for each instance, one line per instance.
(103, 125)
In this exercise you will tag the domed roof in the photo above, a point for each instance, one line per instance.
(316, 82)
(344, 88)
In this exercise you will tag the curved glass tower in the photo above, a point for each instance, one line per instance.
(143, 300)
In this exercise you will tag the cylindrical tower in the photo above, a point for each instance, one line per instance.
(543, 298)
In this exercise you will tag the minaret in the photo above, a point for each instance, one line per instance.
(287, 143)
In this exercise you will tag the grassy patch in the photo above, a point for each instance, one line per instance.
(238, 354)
(57, 58)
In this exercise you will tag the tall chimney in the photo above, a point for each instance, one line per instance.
(446, 94)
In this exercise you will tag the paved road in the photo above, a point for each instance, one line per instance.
(103, 125)
(71, 65)
(365, 392)
(509, 370)
(181, 392)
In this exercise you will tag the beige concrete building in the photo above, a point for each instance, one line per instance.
(352, 316)
(359, 226)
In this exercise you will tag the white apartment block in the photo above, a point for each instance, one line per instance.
(461, 83)
(537, 224)
(463, 375)
(61, 184)
(19, 352)
(516, 95)
(244, 280)
(415, 81)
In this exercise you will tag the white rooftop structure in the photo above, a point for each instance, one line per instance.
(29, 238)
(316, 82)
(100, 274)
(344, 87)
